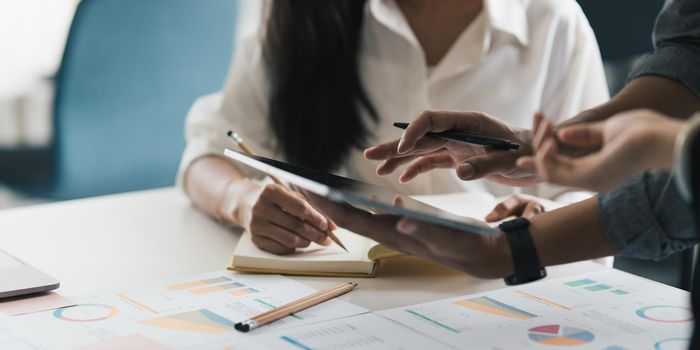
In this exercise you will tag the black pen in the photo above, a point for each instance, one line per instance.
(495, 143)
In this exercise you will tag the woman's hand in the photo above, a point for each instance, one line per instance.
(612, 150)
(517, 205)
(477, 255)
(471, 162)
(279, 220)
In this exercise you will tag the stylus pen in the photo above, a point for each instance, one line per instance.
(464, 137)
(239, 141)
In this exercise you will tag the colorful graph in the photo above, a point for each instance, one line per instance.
(431, 321)
(494, 307)
(672, 343)
(203, 321)
(216, 288)
(243, 292)
(85, 313)
(295, 342)
(598, 287)
(542, 300)
(579, 283)
(555, 334)
(198, 283)
(594, 286)
(665, 313)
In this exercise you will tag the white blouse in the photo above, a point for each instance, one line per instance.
(516, 58)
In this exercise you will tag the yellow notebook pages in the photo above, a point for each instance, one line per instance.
(359, 261)
(363, 254)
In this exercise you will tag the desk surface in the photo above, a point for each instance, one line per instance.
(110, 242)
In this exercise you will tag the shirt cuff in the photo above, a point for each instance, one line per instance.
(645, 218)
(672, 61)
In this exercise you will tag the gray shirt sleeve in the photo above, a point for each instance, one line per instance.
(677, 45)
(647, 218)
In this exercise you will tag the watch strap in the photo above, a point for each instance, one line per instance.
(526, 262)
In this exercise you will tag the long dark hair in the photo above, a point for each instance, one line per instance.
(311, 49)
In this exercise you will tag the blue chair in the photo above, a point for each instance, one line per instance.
(130, 71)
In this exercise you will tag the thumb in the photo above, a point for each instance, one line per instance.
(485, 165)
(581, 135)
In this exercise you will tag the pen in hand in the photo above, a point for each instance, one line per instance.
(247, 150)
(459, 136)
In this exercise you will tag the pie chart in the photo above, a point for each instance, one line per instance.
(554, 334)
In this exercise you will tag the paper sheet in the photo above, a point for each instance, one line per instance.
(362, 332)
(183, 312)
(34, 303)
(605, 310)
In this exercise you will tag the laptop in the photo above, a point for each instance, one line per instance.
(19, 278)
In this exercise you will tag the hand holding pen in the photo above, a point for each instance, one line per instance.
(429, 143)
(282, 220)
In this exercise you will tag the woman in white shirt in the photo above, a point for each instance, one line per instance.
(324, 78)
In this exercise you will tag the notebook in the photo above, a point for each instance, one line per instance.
(363, 256)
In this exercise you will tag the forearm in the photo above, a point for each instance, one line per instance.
(571, 233)
(207, 181)
(652, 92)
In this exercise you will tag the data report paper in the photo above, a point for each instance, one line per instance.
(180, 313)
(607, 310)
(361, 332)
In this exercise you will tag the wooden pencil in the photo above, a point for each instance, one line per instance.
(294, 306)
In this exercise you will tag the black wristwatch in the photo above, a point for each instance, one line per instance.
(526, 263)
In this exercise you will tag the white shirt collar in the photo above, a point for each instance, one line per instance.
(507, 16)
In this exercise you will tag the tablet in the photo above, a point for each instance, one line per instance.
(360, 194)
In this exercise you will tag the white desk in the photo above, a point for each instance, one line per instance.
(130, 239)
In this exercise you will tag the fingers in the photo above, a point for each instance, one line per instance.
(485, 165)
(582, 135)
(537, 118)
(278, 234)
(440, 160)
(556, 168)
(294, 205)
(388, 166)
(531, 209)
(296, 227)
(511, 206)
(393, 160)
(526, 162)
(271, 246)
(283, 221)
(543, 132)
(382, 151)
(516, 205)
(438, 121)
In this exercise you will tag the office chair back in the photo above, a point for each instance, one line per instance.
(130, 71)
